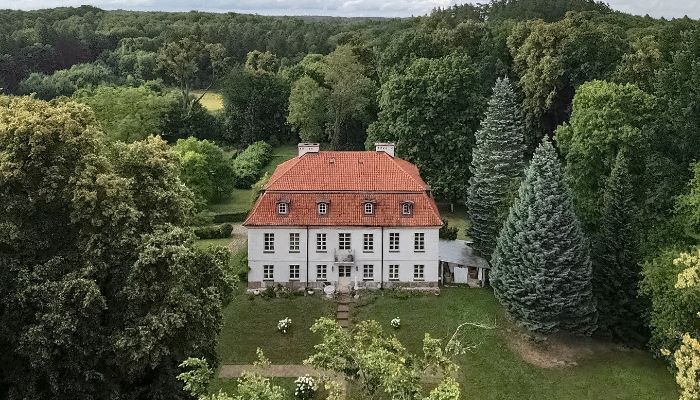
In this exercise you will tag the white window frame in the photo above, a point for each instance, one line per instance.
(294, 272)
(406, 208)
(419, 272)
(419, 242)
(344, 241)
(368, 242)
(393, 272)
(321, 272)
(269, 242)
(322, 208)
(282, 208)
(294, 242)
(268, 272)
(321, 242)
(369, 208)
(394, 241)
(368, 272)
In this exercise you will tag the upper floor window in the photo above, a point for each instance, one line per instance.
(344, 241)
(369, 208)
(269, 242)
(294, 242)
(368, 242)
(406, 208)
(419, 241)
(320, 242)
(282, 208)
(394, 241)
(322, 208)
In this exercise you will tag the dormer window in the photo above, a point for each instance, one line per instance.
(406, 208)
(283, 207)
(322, 208)
(369, 208)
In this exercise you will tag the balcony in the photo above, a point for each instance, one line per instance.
(344, 256)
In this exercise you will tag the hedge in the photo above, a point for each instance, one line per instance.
(213, 231)
(229, 217)
(249, 165)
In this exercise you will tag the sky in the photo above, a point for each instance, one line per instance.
(347, 8)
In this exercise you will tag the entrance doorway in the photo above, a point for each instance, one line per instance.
(344, 278)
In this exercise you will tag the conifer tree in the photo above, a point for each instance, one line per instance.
(497, 163)
(541, 266)
(616, 268)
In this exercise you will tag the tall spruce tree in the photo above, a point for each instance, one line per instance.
(616, 259)
(497, 163)
(541, 265)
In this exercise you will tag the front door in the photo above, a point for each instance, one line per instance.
(344, 278)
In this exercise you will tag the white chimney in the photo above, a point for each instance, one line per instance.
(388, 148)
(308, 148)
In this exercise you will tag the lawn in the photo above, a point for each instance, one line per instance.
(494, 371)
(212, 100)
(457, 218)
(249, 324)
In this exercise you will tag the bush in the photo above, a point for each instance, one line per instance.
(213, 231)
(248, 166)
(448, 232)
(229, 217)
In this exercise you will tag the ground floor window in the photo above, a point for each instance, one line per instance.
(344, 271)
(294, 271)
(368, 272)
(268, 272)
(321, 272)
(394, 272)
(418, 272)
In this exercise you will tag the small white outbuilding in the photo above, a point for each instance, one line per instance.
(459, 264)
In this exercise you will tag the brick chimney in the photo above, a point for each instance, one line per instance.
(308, 148)
(388, 148)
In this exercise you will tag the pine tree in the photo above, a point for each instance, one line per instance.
(497, 163)
(616, 259)
(541, 266)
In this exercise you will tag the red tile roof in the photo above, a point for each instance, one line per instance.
(346, 180)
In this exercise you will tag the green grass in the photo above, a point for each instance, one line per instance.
(457, 218)
(494, 371)
(241, 199)
(249, 324)
(212, 100)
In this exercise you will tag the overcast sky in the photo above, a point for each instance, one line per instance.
(350, 8)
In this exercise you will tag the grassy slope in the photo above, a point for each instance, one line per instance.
(494, 371)
(249, 324)
(212, 100)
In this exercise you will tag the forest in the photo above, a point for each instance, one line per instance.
(568, 130)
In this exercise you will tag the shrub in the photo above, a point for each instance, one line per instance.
(284, 324)
(213, 231)
(304, 387)
(248, 166)
(396, 323)
(448, 232)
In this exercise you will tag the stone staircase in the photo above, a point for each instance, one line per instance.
(342, 315)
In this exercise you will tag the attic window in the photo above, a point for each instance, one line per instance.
(406, 208)
(322, 208)
(283, 207)
(369, 208)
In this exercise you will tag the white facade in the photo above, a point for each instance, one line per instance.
(368, 267)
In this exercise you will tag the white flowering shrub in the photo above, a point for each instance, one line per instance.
(305, 387)
(284, 324)
(396, 323)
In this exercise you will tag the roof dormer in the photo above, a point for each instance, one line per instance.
(368, 206)
(283, 207)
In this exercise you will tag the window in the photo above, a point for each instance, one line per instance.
(282, 208)
(322, 208)
(406, 208)
(268, 272)
(320, 242)
(418, 272)
(369, 208)
(393, 241)
(294, 272)
(269, 242)
(368, 272)
(419, 241)
(368, 243)
(294, 242)
(321, 271)
(344, 241)
(394, 272)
